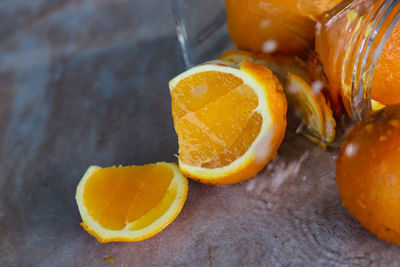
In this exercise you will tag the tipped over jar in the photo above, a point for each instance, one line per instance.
(358, 44)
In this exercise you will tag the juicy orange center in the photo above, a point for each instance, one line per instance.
(194, 92)
(118, 196)
(218, 125)
(241, 144)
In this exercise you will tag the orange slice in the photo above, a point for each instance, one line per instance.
(132, 203)
(312, 109)
(230, 120)
(306, 104)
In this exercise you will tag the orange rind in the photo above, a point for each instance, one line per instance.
(312, 107)
(368, 173)
(128, 204)
(230, 120)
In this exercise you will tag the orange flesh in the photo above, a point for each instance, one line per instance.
(241, 144)
(385, 83)
(253, 22)
(217, 132)
(194, 92)
(115, 197)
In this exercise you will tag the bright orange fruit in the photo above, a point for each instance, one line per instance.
(130, 203)
(313, 109)
(230, 120)
(314, 9)
(385, 82)
(269, 26)
(310, 106)
(368, 173)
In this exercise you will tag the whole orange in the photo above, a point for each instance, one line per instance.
(368, 173)
(269, 26)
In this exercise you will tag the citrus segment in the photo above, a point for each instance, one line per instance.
(206, 133)
(130, 203)
(240, 146)
(306, 104)
(220, 141)
(192, 93)
(330, 123)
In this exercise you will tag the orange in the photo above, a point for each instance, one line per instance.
(230, 120)
(313, 109)
(310, 106)
(331, 41)
(278, 64)
(314, 9)
(385, 82)
(130, 203)
(368, 173)
(269, 26)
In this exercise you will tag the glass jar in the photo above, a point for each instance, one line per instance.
(350, 40)
(201, 29)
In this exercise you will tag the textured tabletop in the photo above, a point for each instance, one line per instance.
(85, 82)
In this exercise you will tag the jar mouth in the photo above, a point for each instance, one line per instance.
(383, 20)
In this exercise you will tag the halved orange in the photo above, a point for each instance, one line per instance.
(132, 203)
(230, 120)
(295, 75)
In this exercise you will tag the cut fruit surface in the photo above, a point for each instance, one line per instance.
(230, 120)
(130, 203)
(312, 107)
(305, 103)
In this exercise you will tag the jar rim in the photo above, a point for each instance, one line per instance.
(382, 25)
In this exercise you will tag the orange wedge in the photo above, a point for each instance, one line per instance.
(132, 203)
(312, 109)
(305, 103)
(230, 120)
(295, 75)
